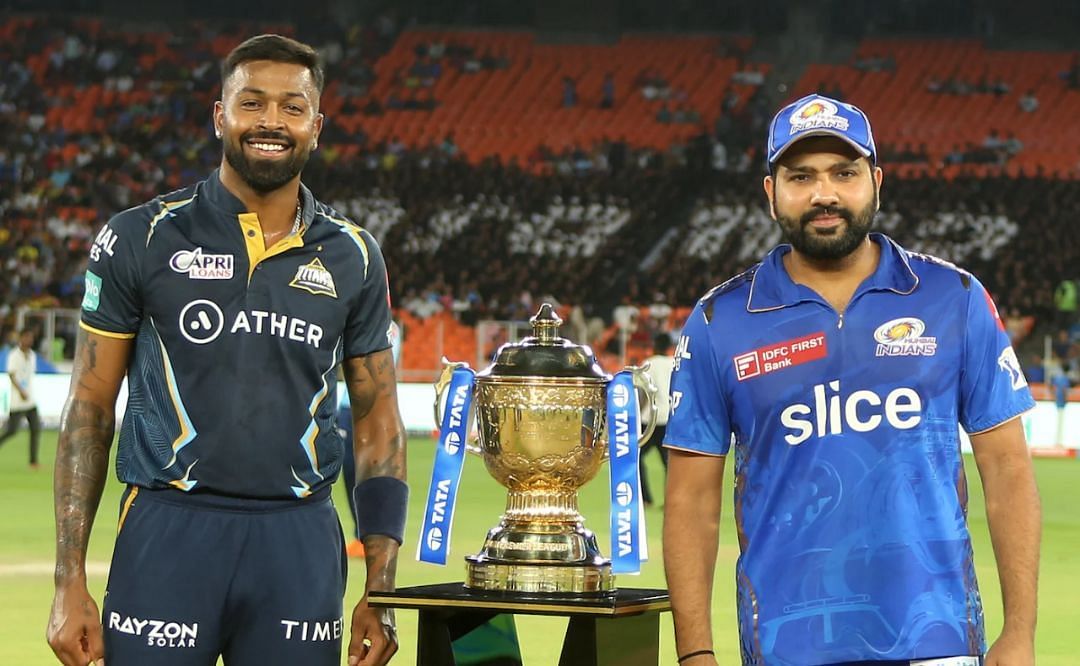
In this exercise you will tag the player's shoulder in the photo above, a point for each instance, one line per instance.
(730, 294)
(937, 273)
(326, 213)
(144, 216)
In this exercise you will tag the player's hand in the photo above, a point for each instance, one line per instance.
(1008, 651)
(74, 631)
(374, 636)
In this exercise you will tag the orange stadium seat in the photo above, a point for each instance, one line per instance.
(509, 112)
(905, 111)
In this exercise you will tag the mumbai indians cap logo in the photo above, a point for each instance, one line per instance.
(314, 278)
(815, 114)
(896, 330)
(904, 337)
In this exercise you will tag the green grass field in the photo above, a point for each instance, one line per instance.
(26, 555)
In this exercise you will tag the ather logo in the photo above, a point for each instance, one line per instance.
(831, 412)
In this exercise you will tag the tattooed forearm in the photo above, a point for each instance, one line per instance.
(369, 378)
(82, 461)
(380, 553)
(392, 464)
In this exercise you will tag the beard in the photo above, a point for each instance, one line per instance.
(828, 244)
(266, 175)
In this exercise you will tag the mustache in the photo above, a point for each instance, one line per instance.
(825, 211)
(273, 136)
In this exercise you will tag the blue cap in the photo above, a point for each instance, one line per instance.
(817, 115)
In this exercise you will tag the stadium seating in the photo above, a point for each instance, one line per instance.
(905, 111)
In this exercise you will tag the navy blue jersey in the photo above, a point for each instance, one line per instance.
(850, 495)
(232, 384)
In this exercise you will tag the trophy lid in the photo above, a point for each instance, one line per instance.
(545, 354)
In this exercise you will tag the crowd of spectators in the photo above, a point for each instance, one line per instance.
(598, 227)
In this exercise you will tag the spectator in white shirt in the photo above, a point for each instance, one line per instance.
(21, 368)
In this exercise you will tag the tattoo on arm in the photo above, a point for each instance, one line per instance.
(378, 429)
(82, 461)
(380, 554)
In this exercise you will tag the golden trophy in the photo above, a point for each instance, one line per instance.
(541, 411)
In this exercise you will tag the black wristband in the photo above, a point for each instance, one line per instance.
(381, 505)
(698, 653)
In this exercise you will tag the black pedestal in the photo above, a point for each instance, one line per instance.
(622, 628)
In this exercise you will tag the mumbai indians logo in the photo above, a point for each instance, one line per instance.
(816, 114)
(1008, 363)
(315, 278)
(904, 337)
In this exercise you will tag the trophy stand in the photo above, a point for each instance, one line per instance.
(620, 629)
(540, 546)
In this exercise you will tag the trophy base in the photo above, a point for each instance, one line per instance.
(540, 558)
(490, 576)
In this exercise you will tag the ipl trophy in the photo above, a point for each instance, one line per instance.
(546, 420)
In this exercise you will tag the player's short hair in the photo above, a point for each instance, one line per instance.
(275, 48)
(661, 343)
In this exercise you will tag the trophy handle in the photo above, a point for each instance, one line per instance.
(643, 383)
(440, 389)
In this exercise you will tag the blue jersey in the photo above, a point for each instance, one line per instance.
(232, 382)
(850, 494)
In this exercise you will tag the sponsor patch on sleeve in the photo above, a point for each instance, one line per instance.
(92, 297)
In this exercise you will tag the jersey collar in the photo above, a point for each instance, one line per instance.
(772, 288)
(221, 197)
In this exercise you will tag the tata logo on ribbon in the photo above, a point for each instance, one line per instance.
(621, 396)
(434, 538)
(442, 493)
(453, 443)
(624, 494)
(625, 538)
(457, 412)
(622, 432)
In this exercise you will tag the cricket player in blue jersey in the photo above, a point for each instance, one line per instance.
(838, 373)
(229, 305)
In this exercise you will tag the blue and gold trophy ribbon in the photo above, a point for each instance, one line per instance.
(627, 524)
(446, 474)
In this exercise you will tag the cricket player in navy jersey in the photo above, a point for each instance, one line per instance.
(229, 305)
(838, 372)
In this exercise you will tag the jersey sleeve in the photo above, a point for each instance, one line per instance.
(699, 420)
(367, 329)
(112, 302)
(992, 384)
